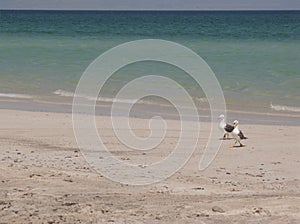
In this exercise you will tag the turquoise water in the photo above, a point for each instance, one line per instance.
(255, 55)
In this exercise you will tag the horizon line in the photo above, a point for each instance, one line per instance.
(43, 9)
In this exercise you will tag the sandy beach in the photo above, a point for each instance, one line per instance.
(45, 179)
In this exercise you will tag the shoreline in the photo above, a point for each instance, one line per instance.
(147, 110)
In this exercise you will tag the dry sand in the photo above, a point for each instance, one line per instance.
(45, 179)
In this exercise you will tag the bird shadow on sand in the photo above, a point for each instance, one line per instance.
(225, 138)
(238, 146)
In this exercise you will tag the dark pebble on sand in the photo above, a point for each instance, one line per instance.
(217, 209)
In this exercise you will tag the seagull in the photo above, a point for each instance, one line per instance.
(226, 128)
(237, 134)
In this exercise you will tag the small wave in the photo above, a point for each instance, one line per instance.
(63, 93)
(284, 108)
(110, 100)
(15, 95)
(101, 99)
(201, 99)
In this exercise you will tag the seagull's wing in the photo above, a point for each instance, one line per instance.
(228, 128)
(241, 135)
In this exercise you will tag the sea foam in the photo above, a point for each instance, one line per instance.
(102, 99)
(284, 108)
(15, 95)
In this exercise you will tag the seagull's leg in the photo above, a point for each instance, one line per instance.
(233, 144)
(241, 145)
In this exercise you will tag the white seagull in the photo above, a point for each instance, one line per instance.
(237, 134)
(226, 128)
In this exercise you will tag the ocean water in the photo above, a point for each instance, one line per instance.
(255, 55)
